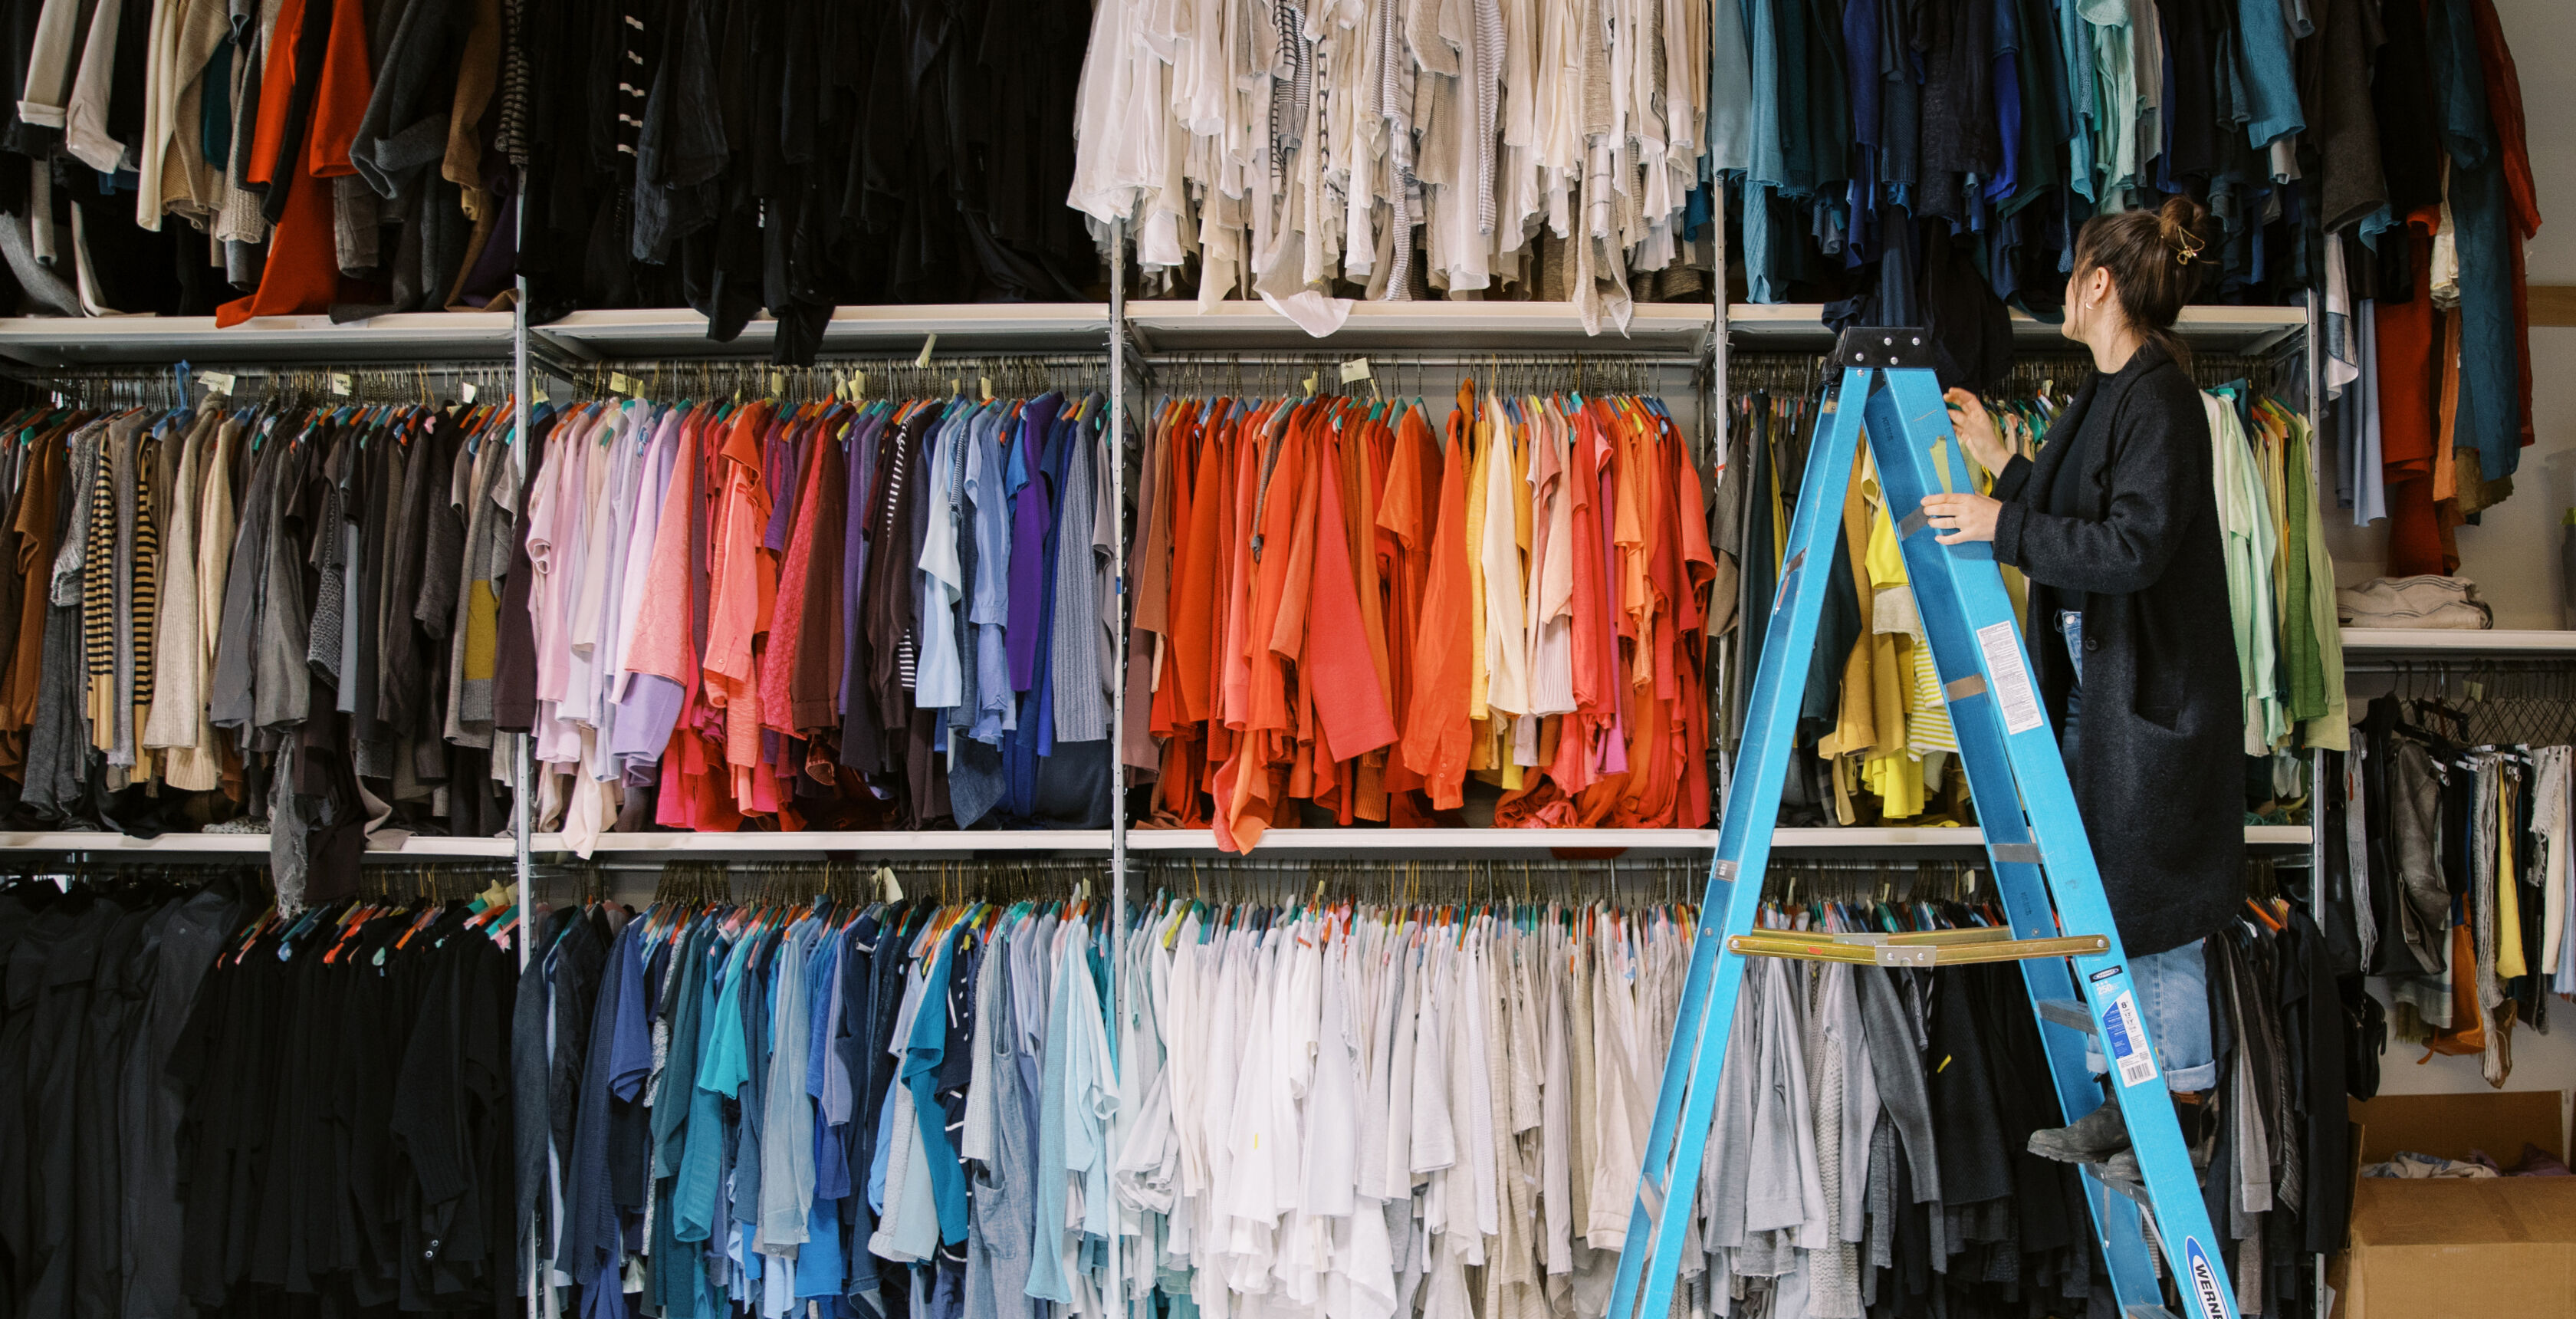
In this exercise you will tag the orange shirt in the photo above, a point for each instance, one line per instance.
(1194, 587)
(1437, 730)
(1340, 668)
(276, 92)
(340, 100)
(1404, 557)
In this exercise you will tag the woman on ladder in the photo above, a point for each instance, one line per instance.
(2115, 523)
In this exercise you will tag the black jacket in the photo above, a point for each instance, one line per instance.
(2160, 782)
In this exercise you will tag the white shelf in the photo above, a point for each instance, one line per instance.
(1143, 841)
(2455, 641)
(1800, 326)
(102, 841)
(1657, 327)
(962, 328)
(1429, 840)
(107, 340)
(882, 842)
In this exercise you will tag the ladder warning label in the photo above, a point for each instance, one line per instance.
(2013, 692)
(2121, 1033)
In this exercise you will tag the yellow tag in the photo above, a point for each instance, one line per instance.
(1945, 1065)
(1941, 463)
(1355, 369)
(926, 346)
(1310, 384)
(341, 384)
(858, 385)
(987, 383)
(540, 392)
(777, 383)
(220, 382)
(953, 386)
(2477, 691)
(619, 384)
(467, 391)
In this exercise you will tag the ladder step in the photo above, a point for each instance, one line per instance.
(2134, 1190)
(1888, 952)
(2067, 1012)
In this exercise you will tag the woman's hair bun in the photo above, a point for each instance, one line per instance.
(2156, 260)
(2183, 223)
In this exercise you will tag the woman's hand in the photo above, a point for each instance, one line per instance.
(1961, 517)
(1978, 433)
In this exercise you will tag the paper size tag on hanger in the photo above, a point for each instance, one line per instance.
(887, 885)
(340, 383)
(1310, 384)
(2477, 691)
(467, 391)
(777, 383)
(619, 384)
(1355, 369)
(926, 346)
(858, 385)
(955, 386)
(220, 382)
(987, 383)
(539, 390)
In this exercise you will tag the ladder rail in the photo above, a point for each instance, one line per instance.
(1669, 1175)
(2011, 733)
(1975, 723)
(2061, 927)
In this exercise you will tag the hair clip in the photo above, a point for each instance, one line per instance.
(2186, 249)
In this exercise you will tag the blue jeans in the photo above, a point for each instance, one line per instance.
(2172, 987)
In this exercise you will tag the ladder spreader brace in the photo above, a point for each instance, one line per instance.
(2060, 927)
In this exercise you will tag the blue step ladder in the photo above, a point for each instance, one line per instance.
(2069, 951)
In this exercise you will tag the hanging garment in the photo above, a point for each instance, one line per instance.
(1340, 615)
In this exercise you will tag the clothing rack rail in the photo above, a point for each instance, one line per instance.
(1627, 366)
(1434, 358)
(837, 864)
(1410, 375)
(364, 383)
(857, 376)
(2557, 664)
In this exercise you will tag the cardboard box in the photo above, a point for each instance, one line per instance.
(2481, 1249)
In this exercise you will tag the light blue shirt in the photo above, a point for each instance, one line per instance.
(938, 676)
(989, 607)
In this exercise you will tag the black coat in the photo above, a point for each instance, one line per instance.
(2160, 780)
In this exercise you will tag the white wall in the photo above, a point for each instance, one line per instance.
(2513, 555)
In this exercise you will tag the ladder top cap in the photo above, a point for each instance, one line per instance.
(1884, 346)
